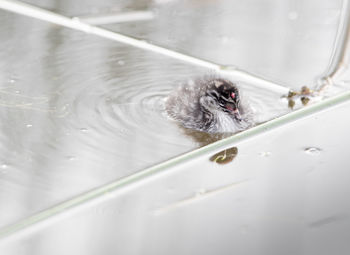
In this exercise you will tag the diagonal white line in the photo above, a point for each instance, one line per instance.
(75, 23)
(116, 17)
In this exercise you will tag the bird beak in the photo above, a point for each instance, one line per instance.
(232, 108)
(237, 114)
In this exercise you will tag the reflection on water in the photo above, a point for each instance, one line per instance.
(313, 151)
(294, 50)
(79, 111)
(203, 138)
(16, 100)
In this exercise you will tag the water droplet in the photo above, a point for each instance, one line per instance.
(312, 151)
(265, 154)
(29, 125)
(200, 192)
(84, 130)
(293, 15)
(121, 62)
(225, 39)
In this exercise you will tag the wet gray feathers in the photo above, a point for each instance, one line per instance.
(184, 105)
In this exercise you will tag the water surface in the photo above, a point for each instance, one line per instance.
(78, 111)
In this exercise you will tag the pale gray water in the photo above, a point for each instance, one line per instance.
(78, 111)
(287, 41)
(274, 198)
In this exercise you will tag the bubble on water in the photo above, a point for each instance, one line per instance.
(65, 106)
(293, 15)
(29, 125)
(121, 62)
(12, 81)
(84, 130)
(265, 154)
(312, 150)
(3, 168)
(225, 39)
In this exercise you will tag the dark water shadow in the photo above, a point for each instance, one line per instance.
(203, 139)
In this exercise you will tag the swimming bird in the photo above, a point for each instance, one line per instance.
(210, 104)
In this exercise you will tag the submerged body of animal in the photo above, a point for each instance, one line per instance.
(210, 104)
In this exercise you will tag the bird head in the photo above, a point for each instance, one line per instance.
(222, 95)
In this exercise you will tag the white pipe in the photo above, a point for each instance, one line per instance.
(75, 23)
(116, 17)
(251, 79)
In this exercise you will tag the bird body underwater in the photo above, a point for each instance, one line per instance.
(210, 104)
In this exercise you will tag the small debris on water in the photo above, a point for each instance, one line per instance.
(312, 150)
(225, 156)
